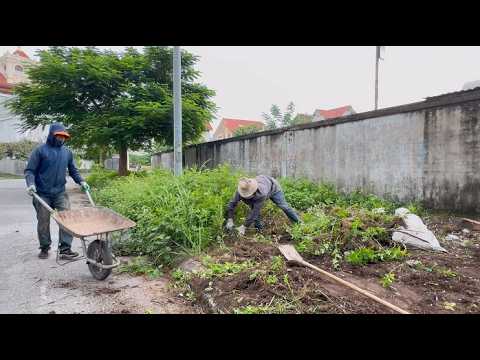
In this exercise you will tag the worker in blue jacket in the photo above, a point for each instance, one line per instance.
(45, 175)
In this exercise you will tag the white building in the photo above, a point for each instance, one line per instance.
(10, 126)
(13, 68)
(12, 72)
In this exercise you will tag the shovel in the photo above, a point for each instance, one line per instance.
(293, 256)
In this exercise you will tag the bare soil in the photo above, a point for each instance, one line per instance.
(425, 283)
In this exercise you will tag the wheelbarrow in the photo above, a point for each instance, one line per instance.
(88, 222)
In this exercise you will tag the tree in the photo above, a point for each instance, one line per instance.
(276, 119)
(119, 100)
(244, 130)
(302, 119)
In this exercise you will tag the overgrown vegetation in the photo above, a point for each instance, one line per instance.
(174, 215)
(178, 215)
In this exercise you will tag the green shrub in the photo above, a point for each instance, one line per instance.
(100, 177)
(302, 194)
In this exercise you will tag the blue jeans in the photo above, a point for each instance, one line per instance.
(279, 199)
(59, 202)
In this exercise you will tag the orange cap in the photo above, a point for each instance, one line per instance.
(62, 133)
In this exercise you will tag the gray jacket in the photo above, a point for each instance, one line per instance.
(267, 186)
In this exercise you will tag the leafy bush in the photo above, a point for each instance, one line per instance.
(303, 194)
(136, 159)
(100, 177)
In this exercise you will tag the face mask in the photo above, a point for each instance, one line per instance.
(59, 141)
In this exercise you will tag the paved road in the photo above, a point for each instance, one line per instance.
(30, 285)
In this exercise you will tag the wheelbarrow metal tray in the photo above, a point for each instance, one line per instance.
(91, 221)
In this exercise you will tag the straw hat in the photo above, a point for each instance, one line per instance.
(247, 187)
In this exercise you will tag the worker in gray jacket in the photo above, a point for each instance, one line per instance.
(254, 192)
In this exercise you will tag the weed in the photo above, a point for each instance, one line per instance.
(277, 264)
(446, 272)
(363, 255)
(272, 279)
(387, 279)
(141, 266)
(279, 307)
(225, 269)
(449, 306)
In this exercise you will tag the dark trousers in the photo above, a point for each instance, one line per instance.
(59, 202)
(278, 199)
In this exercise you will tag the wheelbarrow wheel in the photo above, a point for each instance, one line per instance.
(98, 250)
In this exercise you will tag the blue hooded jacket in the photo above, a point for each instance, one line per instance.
(48, 164)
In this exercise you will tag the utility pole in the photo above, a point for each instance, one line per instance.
(177, 111)
(377, 58)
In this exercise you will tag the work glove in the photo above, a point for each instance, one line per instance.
(241, 230)
(229, 225)
(31, 189)
(85, 186)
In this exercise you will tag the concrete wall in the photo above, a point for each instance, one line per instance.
(12, 167)
(427, 151)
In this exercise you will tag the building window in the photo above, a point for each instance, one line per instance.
(18, 68)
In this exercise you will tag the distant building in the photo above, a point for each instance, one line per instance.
(12, 70)
(227, 127)
(207, 134)
(320, 115)
(10, 126)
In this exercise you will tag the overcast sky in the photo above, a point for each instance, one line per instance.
(248, 80)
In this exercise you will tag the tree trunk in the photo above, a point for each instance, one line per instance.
(123, 162)
(101, 158)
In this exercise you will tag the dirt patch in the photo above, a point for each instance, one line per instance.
(431, 282)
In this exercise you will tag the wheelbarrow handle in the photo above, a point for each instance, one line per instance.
(90, 197)
(41, 201)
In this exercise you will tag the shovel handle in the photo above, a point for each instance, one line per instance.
(356, 288)
(44, 204)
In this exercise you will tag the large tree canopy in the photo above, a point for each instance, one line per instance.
(120, 100)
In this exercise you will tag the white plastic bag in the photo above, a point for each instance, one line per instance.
(415, 233)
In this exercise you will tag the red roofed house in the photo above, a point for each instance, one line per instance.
(319, 114)
(12, 69)
(226, 127)
(5, 87)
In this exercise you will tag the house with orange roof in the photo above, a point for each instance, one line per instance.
(12, 69)
(320, 114)
(227, 127)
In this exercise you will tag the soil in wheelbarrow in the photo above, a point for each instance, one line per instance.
(246, 276)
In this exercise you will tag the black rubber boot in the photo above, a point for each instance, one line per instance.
(43, 254)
